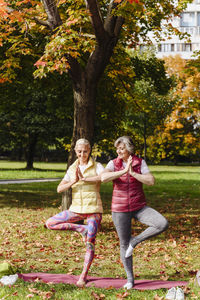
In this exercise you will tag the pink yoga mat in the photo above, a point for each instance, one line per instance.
(102, 282)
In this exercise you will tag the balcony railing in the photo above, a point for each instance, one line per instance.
(193, 30)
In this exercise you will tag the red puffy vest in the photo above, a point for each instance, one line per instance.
(128, 194)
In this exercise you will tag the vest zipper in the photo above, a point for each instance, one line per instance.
(81, 196)
(128, 192)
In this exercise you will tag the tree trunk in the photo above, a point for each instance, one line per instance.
(31, 152)
(84, 114)
(145, 148)
(145, 139)
(20, 152)
(85, 88)
(66, 199)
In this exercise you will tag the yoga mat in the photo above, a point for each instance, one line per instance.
(101, 282)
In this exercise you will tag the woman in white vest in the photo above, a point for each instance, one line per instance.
(84, 177)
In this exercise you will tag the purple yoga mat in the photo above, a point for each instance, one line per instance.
(102, 282)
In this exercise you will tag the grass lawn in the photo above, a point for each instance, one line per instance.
(29, 247)
(16, 170)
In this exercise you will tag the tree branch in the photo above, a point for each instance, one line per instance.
(118, 26)
(51, 9)
(41, 22)
(110, 20)
(96, 19)
(126, 89)
(113, 23)
(75, 70)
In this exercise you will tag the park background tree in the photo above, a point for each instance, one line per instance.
(179, 138)
(147, 92)
(35, 113)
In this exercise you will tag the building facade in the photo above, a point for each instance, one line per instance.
(188, 22)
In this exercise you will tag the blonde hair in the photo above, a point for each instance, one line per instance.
(82, 142)
(127, 141)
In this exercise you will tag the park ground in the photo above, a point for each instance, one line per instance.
(29, 247)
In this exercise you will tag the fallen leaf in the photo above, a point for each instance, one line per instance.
(96, 296)
(156, 297)
(122, 296)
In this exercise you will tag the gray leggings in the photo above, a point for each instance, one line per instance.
(122, 221)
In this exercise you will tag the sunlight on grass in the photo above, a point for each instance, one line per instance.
(5, 164)
(16, 170)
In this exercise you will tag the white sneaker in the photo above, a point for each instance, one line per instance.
(9, 280)
(128, 285)
(198, 277)
(179, 294)
(171, 294)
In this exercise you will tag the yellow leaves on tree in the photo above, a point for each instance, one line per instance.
(180, 134)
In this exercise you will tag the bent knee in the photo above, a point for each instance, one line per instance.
(165, 224)
(48, 224)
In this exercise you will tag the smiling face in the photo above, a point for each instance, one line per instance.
(82, 152)
(122, 151)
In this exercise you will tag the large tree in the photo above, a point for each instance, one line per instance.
(79, 37)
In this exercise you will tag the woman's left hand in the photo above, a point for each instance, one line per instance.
(128, 164)
(79, 174)
(131, 172)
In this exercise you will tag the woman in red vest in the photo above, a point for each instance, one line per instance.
(128, 173)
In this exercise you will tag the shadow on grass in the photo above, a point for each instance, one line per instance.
(30, 195)
(34, 169)
(39, 195)
(37, 200)
(28, 200)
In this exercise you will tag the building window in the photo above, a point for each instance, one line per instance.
(196, 46)
(187, 19)
(187, 47)
(166, 48)
(178, 47)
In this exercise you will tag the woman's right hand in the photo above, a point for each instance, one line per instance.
(128, 164)
(65, 185)
(78, 174)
